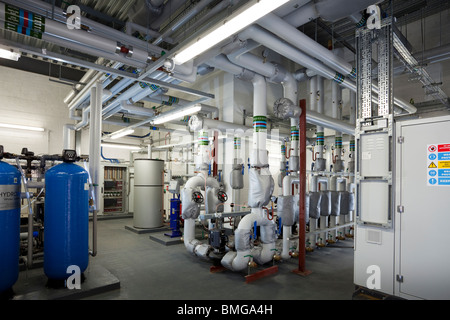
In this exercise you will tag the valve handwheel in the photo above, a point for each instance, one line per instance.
(223, 197)
(197, 197)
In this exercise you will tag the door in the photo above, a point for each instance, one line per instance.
(424, 253)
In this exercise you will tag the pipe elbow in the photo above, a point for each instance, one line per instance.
(247, 33)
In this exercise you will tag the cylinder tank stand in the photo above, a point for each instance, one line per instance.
(60, 283)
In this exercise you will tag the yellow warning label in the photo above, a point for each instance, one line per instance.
(444, 164)
(433, 165)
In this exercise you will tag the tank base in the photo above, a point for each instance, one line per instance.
(60, 283)
(8, 294)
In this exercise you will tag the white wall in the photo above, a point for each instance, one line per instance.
(31, 99)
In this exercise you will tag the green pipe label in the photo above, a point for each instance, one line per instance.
(203, 138)
(237, 143)
(320, 140)
(338, 142)
(294, 134)
(352, 145)
(260, 123)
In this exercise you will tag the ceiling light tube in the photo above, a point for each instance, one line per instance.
(235, 23)
(121, 133)
(120, 146)
(16, 126)
(176, 114)
(9, 54)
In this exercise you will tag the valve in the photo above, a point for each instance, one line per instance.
(222, 196)
(197, 197)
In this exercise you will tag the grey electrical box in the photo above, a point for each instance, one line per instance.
(174, 186)
(374, 154)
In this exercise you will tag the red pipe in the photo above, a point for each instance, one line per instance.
(302, 184)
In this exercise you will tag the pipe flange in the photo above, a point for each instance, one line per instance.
(195, 123)
(246, 75)
(280, 73)
(169, 65)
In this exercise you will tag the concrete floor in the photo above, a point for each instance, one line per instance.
(148, 270)
(131, 266)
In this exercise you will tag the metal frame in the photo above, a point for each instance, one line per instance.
(371, 121)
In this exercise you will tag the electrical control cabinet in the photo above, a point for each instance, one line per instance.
(410, 259)
(113, 189)
(423, 215)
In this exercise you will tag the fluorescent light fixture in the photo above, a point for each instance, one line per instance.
(120, 146)
(16, 126)
(236, 22)
(176, 114)
(9, 54)
(121, 133)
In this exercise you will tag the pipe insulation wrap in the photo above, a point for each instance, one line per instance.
(261, 186)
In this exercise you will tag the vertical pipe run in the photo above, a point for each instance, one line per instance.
(302, 184)
(95, 132)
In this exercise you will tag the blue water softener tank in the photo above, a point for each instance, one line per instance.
(66, 218)
(9, 224)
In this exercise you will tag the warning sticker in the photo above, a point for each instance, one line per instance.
(444, 164)
(438, 164)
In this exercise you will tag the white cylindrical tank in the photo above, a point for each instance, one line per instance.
(148, 193)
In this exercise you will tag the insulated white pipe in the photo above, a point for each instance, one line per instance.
(222, 62)
(295, 37)
(186, 17)
(320, 109)
(96, 28)
(287, 191)
(130, 26)
(241, 258)
(259, 153)
(84, 80)
(290, 92)
(302, 15)
(201, 180)
(67, 137)
(168, 10)
(274, 43)
(95, 132)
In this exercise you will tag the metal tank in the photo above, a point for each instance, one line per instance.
(66, 223)
(9, 224)
(148, 193)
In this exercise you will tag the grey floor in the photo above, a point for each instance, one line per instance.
(149, 270)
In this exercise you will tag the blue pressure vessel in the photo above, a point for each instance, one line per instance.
(66, 219)
(9, 224)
